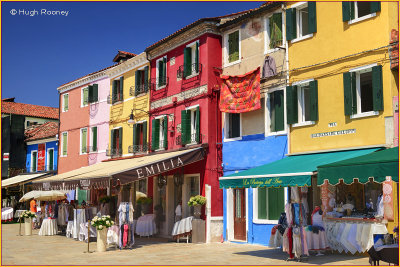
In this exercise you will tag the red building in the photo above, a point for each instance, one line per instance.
(185, 68)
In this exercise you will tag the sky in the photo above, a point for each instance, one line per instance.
(42, 50)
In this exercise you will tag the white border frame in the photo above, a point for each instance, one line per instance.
(191, 45)
(226, 47)
(298, 38)
(357, 18)
(226, 125)
(255, 207)
(300, 104)
(267, 112)
(166, 64)
(63, 102)
(37, 158)
(47, 159)
(62, 144)
(268, 50)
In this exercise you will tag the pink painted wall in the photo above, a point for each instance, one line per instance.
(99, 115)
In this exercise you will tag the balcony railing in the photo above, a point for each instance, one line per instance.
(111, 99)
(192, 140)
(113, 152)
(156, 83)
(138, 149)
(140, 89)
(194, 69)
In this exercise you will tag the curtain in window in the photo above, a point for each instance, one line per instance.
(275, 29)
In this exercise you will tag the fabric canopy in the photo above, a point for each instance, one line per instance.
(290, 171)
(375, 165)
(43, 195)
(21, 179)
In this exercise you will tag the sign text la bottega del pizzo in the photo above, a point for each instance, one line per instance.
(254, 182)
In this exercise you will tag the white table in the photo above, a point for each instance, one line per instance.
(83, 232)
(183, 228)
(146, 225)
(49, 227)
(7, 214)
(18, 213)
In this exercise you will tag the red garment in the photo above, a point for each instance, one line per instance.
(126, 229)
(290, 237)
(317, 208)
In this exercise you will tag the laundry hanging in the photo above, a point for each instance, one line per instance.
(240, 93)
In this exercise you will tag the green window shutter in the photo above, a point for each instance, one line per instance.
(121, 88)
(66, 98)
(198, 125)
(291, 32)
(262, 202)
(112, 139)
(155, 134)
(85, 96)
(83, 141)
(275, 202)
(312, 17)
(291, 104)
(134, 135)
(146, 78)
(375, 6)
(279, 111)
(164, 70)
(51, 159)
(160, 73)
(137, 82)
(114, 92)
(377, 88)
(314, 100)
(187, 64)
(165, 130)
(233, 41)
(95, 93)
(145, 135)
(197, 57)
(271, 97)
(120, 140)
(94, 138)
(185, 127)
(350, 93)
(34, 161)
(346, 11)
(65, 140)
(90, 99)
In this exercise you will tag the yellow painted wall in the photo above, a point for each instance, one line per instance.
(334, 39)
(119, 112)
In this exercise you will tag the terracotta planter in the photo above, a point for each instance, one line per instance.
(28, 226)
(102, 240)
(197, 211)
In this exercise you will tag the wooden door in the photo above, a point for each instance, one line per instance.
(239, 214)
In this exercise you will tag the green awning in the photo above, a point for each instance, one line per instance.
(376, 165)
(290, 171)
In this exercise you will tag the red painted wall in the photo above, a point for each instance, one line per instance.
(73, 120)
(210, 56)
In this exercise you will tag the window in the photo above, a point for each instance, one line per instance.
(50, 159)
(118, 90)
(159, 133)
(232, 125)
(140, 137)
(274, 31)
(302, 103)
(275, 112)
(191, 60)
(34, 156)
(141, 81)
(161, 72)
(65, 102)
(233, 47)
(64, 142)
(84, 140)
(190, 125)
(268, 203)
(357, 11)
(363, 92)
(116, 142)
(84, 96)
(93, 144)
(301, 21)
(93, 93)
(192, 184)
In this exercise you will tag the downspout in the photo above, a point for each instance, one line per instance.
(59, 125)
(287, 76)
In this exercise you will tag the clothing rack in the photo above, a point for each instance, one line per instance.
(126, 225)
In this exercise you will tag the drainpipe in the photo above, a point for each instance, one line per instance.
(59, 124)
(287, 76)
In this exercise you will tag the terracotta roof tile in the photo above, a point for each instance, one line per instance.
(45, 130)
(29, 110)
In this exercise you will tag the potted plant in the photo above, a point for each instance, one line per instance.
(145, 202)
(197, 202)
(101, 224)
(28, 215)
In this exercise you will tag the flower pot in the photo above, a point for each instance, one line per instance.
(28, 226)
(197, 211)
(102, 240)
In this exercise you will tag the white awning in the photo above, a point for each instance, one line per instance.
(21, 179)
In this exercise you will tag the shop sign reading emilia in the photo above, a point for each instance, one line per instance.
(333, 133)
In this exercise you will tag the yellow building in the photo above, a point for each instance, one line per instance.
(129, 95)
(342, 91)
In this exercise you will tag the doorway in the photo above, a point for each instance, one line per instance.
(239, 214)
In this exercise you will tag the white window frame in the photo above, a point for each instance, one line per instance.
(161, 132)
(193, 46)
(157, 73)
(80, 141)
(267, 112)
(300, 104)
(82, 96)
(226, 127)
(63, 102)
(37, 158)
(255, 207)
(268, 50)
(299, 37)
(48, 159)
(192, 123)
(357, 18)
(358, 71)
(91, 139)
(62, 145)
(226, 47)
